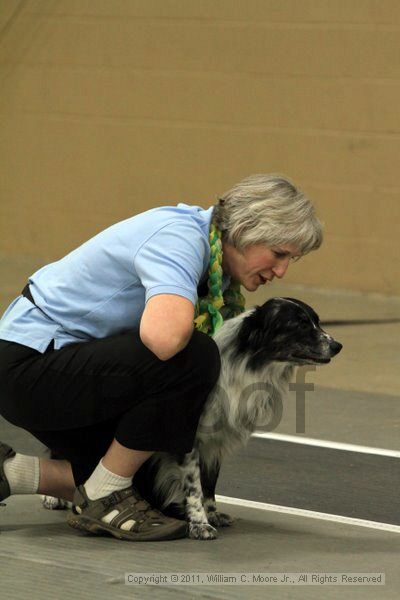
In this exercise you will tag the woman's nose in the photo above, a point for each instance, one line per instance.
(280, 269)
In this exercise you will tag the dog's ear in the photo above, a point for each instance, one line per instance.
(255, 317)
(255, 328)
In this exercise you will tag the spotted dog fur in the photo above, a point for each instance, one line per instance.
(52, 503)
(199, 526)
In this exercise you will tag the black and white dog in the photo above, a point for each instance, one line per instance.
(259, 350)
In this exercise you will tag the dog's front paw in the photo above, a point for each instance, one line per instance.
(219, 519)
(202, 531)
(52, 503)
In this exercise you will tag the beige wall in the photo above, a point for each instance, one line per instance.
(109, 107)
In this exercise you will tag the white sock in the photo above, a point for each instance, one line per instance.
(103, 482)
(22, 474)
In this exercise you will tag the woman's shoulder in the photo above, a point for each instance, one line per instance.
(182, 220)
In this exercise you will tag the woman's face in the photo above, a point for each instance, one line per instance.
(257, 264)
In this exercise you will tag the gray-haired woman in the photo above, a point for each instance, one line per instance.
(107, 355)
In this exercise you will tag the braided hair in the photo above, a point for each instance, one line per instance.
(211, 310)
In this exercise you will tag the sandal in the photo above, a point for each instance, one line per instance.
(125, 515)
(5, 452)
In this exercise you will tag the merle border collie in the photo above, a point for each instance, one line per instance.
(259, 350)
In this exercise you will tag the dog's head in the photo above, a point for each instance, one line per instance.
(286, 330)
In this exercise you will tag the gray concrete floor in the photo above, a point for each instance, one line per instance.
(355, 400)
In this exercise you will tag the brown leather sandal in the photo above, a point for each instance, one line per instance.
(124, 515)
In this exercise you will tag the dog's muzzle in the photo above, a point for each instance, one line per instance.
(335, 347)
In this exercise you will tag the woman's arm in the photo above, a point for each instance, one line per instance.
(167, 324)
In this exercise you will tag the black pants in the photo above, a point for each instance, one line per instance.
(77, 399)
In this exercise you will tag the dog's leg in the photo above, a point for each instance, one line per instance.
(209, 477)
(199, 527)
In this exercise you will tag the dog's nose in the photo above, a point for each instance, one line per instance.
(335, 347)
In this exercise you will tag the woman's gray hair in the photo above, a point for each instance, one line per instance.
(270, 210)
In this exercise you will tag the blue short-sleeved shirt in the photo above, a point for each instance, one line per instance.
(101, 288)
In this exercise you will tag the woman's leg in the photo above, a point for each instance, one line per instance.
(124, 461)
(56, 479)
(156, 404)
